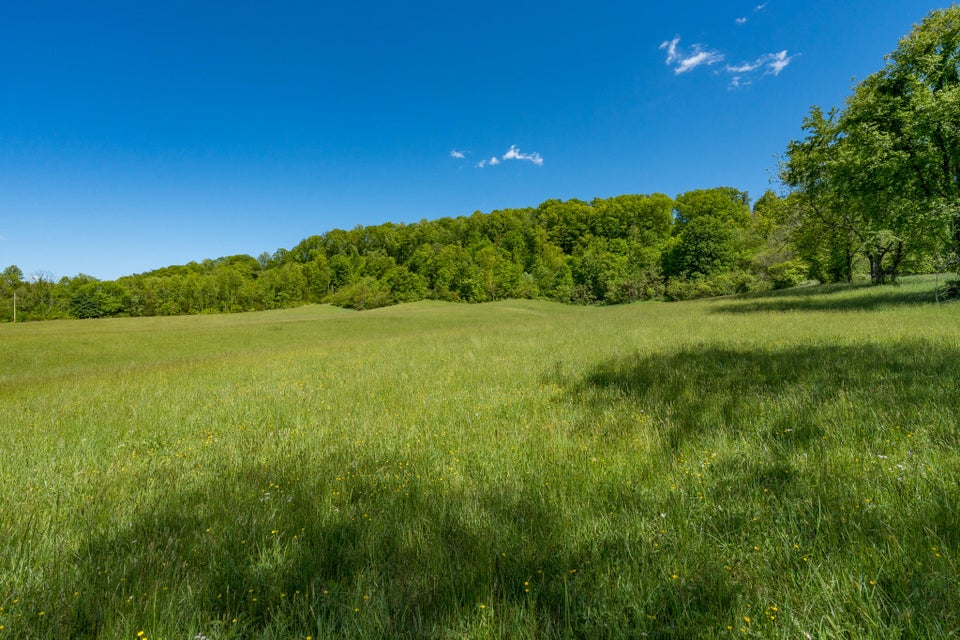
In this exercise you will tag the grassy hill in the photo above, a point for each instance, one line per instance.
(778, 465)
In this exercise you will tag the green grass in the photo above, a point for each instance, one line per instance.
(779, 465)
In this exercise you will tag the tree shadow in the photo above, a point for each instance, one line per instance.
(274, 551)
(845, 297)
(792, 392)
(792, 413)
(270, 550)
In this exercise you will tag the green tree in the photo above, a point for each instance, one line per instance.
(883, 174)
(11, 283)
(725, 204)
(776, 259)
(706, 246)
(99, 300)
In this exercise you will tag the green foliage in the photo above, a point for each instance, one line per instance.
(703, 286)
(881, 178)
(724, 204)
(99, 300)
(784, 275)
(608, 251)
(706, 246)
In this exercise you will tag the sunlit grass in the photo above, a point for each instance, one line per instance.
(772, 466)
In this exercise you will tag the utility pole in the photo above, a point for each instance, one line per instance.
(14, 307)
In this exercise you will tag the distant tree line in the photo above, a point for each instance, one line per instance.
(607, 251)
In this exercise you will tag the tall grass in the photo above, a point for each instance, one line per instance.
(769, 466)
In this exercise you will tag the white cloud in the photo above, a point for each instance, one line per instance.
(684, 61)
(771, 63)
(698, 59)
(671, 48)
(493, 161)
(742, 20)
(460, 155)
(746, 67)
(514, 154)
(761, 7)
(777, 62)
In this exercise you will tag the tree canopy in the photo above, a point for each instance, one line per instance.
(880, 178)
(606, 251)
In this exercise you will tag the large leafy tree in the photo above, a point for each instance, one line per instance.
(881, 178)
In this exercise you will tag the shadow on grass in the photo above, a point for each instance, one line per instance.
(816, 453)
(270, 551)
(842, 297)
(293, 549)
(795, 393)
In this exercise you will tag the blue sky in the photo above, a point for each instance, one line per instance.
(138, 135)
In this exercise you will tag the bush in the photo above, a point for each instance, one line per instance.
(723, 284)
(791, 273)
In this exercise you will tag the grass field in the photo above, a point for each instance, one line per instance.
(780, 465)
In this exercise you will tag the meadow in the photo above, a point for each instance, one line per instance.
(780, 465)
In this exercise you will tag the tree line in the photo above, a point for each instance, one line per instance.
(607, 251)
(872, 190)
(613, 250)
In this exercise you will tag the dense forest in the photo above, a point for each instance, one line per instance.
(872, 191)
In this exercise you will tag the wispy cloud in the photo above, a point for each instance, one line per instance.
(771, 63)
(460, 155)
(779, 61)
(761, 7)
(746, 67)
(742, 20)
(683, 61)
(513, 153)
